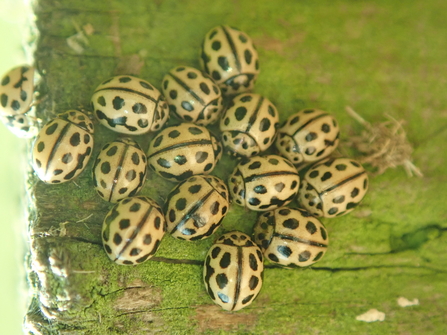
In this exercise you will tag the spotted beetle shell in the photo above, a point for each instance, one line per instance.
(333, 187)
(249, 125)
(16, 91)
(132, 230)
(180, 151)
(264, 183)
(195, 208)
(120, 170)
(233, 271)
(129, 105)
(308, 136)
(192, 96)
(22, 125)
(290, 237)
(63, 147)
(230, 58)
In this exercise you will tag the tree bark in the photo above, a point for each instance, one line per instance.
(374, 56)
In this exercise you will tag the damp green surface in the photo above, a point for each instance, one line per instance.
(379, 57)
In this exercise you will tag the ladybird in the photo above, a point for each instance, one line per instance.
(233, 271)
(183, 150)
(230, 58)
(132, 230)
(192, 95)
(195, 208)
(129, 105)
(290, 237)
(263, 183)
(333, 187)
(120, 170)
(63, 147)
(16, 91)
(22, 125)
(308, 136)
(249, 125)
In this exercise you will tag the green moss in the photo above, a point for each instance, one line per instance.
(378, 57)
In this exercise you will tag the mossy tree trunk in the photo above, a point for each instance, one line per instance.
(381, 56)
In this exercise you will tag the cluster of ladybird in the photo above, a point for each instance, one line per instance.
(188, 152)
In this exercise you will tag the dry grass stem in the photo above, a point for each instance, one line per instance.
(383, 145)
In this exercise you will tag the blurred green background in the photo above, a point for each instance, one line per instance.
(13, 30)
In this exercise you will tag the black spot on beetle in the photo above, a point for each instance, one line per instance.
(225, 261)
(355, 192)
(311, 228)
(311, 136)
(5, 80)
(105, 167)
(147, 239)
(135, 158)
(264, 125)
(23, 95)
(201, 156)
(215, 75)
(260, 189)
(326, 176)
(254, 201)
(191, 75)
(180, 204)
(67, 158)
(255, 165)
(216, 45)
(253, 262)
(323, 233)
(284, 250)
(135, 207)
(15, 105)
(118, 103)
(180, 159)
(215, 252)
(158, 141)
(40, 146)
(75, 139)
(57, 172)
(223, 63)
(157, 222)
(124, 223)
(351, 205)
(51, 129)
(253, 282)
(240, 113)
(248, 56)
(204, 87)
(214, 208)
(146, 85)
(273, 257)
(195, 130)
(304, 256)
(221, 280)
(117, 239)
(332, 210)
(125, 79)
(194, 188)
(139, 108)
(279, 187)
(164, 163)
(291, 223)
